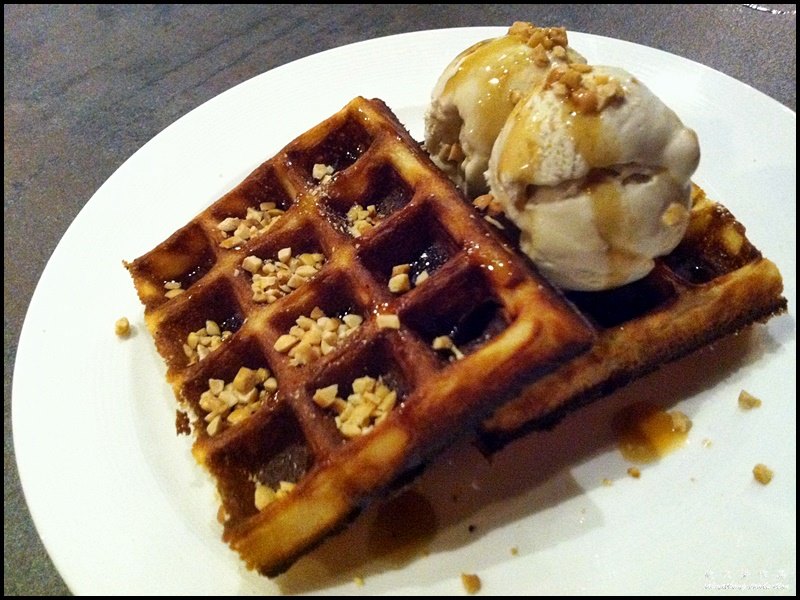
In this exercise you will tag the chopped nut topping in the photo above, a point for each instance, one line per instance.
(361, 220)
(388, 321)
(587, 92)
(747, 401)
(763, 474)
(235, 231)
(368, 405)
(540, 57)
(322, 173)
(173, 289)
(520, 28)
(455, 153)
(546, 37)
(265, 495)
(488, 203)
(205, 340)
(235, 401)
(122, 327)
(326, 396)
(582, 68)
(315, 335)
(273, 279)
(400, 269)
(399, 283)
(634, 472)
(444, 342)
(400, 280)
(471, 583)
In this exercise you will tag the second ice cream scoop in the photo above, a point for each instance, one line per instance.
(595, 171)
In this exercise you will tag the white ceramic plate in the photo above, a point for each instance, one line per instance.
(123, 508)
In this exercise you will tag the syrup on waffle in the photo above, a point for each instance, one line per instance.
(333, 321)
(713, 284)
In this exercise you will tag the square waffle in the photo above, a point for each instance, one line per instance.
(713, 284)
(309, 319)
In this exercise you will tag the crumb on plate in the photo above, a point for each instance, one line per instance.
(747, 401)
(471, 583)
(762, 473)
(122, 327)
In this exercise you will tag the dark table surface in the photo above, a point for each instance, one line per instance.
(87, 86)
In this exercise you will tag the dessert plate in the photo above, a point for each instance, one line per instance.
(122, 507)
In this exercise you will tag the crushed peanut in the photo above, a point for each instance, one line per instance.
(122, 327)
(747, 401)
(444, 342)
(173, 289)
(265, 495)
(587, 91)
(205, 340)
(273, 279)
(360, 219)
(763, 474)
(322, 172)
(399, 283)
(237, 231)
(233, 402)
(546, 37)
(315, 335)
(388, 321)
(540, 57)
(489, 204)
(471, 583)
(368, 405)
(400, 279)
(455, 153)
(634, 472)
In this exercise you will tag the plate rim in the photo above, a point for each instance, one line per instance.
(24, 352)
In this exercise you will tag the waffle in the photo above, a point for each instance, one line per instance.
(713, 284)
(334, 321)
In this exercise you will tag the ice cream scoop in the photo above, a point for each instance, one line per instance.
(477, 91)
(595, 172)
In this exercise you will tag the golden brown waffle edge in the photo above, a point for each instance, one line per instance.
(713, 284)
